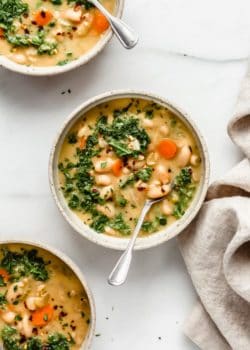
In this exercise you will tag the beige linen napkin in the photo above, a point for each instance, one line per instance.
(216, 250)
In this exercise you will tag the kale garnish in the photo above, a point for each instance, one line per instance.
(58, 341)
(185, 189)
(143, 174)
(120, 225)
(10, 10)
(118, 132)
(24, 264)
(13, 341)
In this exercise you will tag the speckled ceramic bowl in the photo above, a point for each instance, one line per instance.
(66, 260)
(53, 70)
(116, 242)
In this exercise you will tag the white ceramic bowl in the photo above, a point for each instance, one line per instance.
(53, 70)
(116, 242)
(66, 260)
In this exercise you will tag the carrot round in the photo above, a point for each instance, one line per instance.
(100, 22)
(82, 142)
(42, 316)
(43, 17)
(117, 167)
(4, 274)
(167, 148)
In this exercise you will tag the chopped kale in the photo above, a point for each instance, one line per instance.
(3, 300)
(119, 224)
(118, 132)
(185, 189)
(153, 226)
(38, 41)
(121, 201)
(58, 341)
(10, 338)
(56, 2)
(34, 344)
(99, 222)
(10, 10)
(13, 341)
(2, 283)
(149, 114)
(143, 174)
(24, 264)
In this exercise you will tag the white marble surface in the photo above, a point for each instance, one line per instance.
(158, 295)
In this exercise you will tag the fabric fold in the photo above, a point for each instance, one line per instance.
(216, 250)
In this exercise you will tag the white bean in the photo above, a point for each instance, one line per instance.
(164, 130)
(8, 317)
(19, 58)
(183, 156)
(26, 326)
(194, 160)
(167, 208)
(14, 291)
(125, 171)
(107, 192)
(196, 176)
(152, 158)
(136, 164)
(162, 174)
(82, 131)
(110, 231)
(141, 186)
(156, 191)
(147, 123)
(107, 209)
(103, 180)
(85, 26)
(73, 15)
(103, 165)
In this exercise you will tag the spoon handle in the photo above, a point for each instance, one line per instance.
(119, 274)
(124, 33)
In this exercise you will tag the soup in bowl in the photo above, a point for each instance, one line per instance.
(118, 152)
(47, 37)
(44, 301)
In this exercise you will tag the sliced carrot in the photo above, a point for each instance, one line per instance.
(100, 22)
(43, 316)
(82, 142)
(117, 167)
(11, 307)
(4, 274)
(167, 148)
(43, 17)
(1, 33)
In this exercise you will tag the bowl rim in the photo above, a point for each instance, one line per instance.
(76, 270)
(55, 70)
(121, 243)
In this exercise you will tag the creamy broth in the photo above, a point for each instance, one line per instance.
(119, 154)
(42, 302)
(50, 32)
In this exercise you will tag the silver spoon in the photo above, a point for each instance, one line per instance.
(124, 33)
(119, 274)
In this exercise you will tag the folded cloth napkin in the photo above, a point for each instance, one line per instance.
(216, 250)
